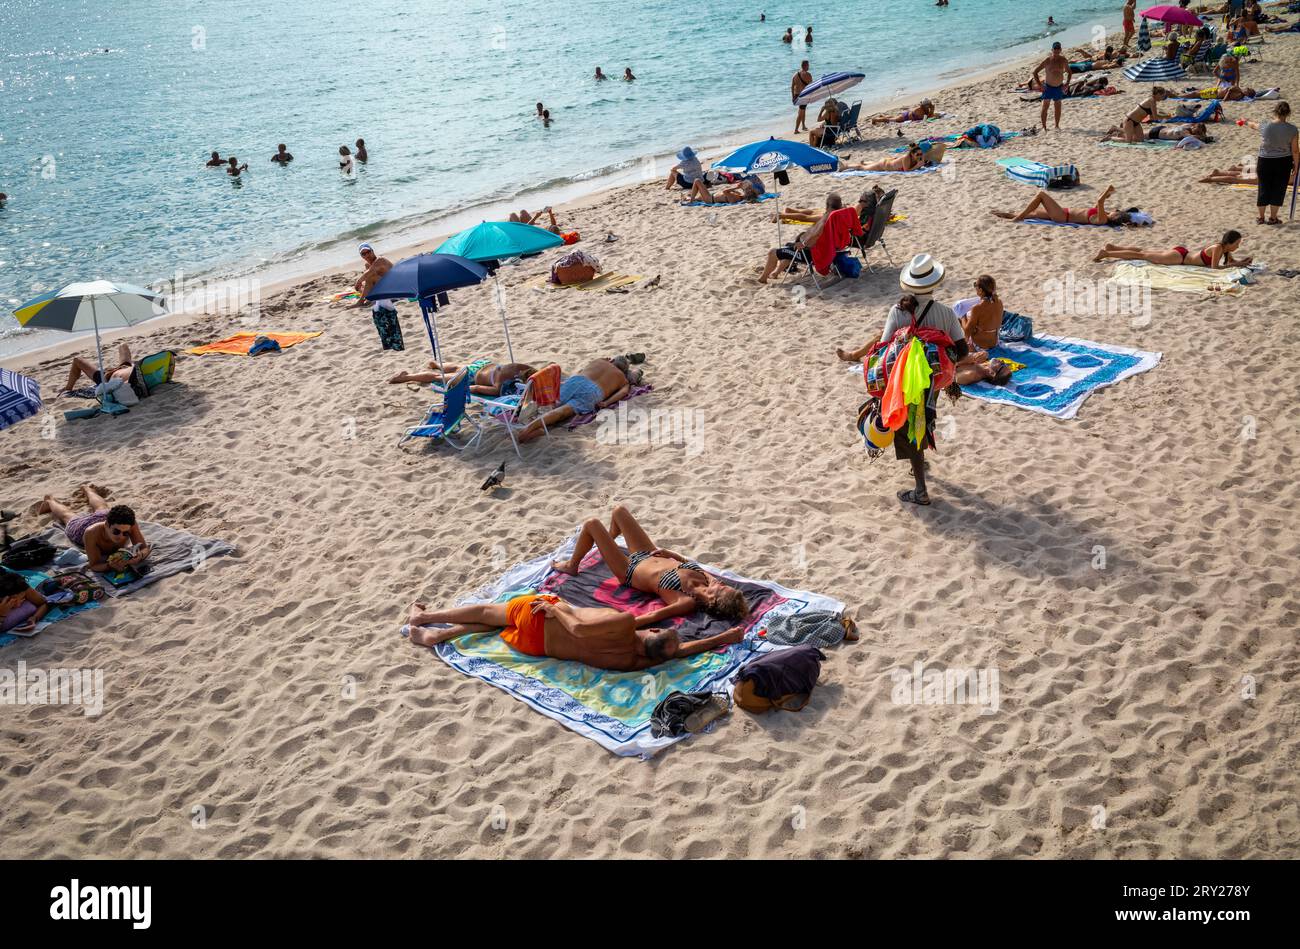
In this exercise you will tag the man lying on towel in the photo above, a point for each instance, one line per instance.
(543, 625)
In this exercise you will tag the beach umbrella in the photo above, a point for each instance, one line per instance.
(1169, 14)
(1144, 37)
(775, 155)
(92, 305)
(494, 241)
(831, 84)
(425, 278)
(20, 397)
(1156, 69)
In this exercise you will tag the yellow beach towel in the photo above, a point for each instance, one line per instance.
(1182, 279)
(240, 343)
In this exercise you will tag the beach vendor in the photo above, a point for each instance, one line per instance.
(110, 536)
(542, 625)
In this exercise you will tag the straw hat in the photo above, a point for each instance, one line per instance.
(922, 275)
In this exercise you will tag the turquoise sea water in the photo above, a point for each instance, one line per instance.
(108, 109)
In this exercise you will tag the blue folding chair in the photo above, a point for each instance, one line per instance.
(446, 419)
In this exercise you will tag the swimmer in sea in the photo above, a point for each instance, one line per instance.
(361, 153)
(600, 76)
(216, 161)
(345, 159)
(281, 156)
(233, 167)
(627, 75)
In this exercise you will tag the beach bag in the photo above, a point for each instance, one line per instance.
(1015, 328)
(71, 586)
(30, 553)
(157, 369)
(1068, 180)
(781, 679)
(848, 265)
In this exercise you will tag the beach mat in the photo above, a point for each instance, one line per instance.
(1054, 375)
(1153, 143)
(613, 709)
(174, 551)
(240, 343)
(57, 613)
(1181, 278)
(867, 174)
(605, 281)
(725, 204)
(1058, 373)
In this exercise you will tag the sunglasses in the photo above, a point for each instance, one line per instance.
(120, 531)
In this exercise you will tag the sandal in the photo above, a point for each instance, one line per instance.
(911, 497)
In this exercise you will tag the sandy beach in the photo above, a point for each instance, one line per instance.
(1129, 573)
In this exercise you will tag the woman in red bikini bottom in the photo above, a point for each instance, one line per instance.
(1045, 208)
(1216, 256)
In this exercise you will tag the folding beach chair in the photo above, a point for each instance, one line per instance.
(849, 126)
(446, 418)
(876, 234)
(541, 394)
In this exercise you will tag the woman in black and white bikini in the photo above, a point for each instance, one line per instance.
(682, 584)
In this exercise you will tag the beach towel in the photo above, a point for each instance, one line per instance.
(240, 343)
(546, 385)
(57, 613)
(1058, 373)
(866, 174)
(1180, 278)
(724, 204)
(949, 139)
(1036, 173)
(1054, 375)
(1035, 220)
(174, 551)
(1150, 143)
(607, 281)
(614, 709)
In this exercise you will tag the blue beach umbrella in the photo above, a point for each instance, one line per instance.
(426, 277)
(20, 397)
(494, 241)
(831, 84)
(1157, 69)
(1144, 37)
(774, 155)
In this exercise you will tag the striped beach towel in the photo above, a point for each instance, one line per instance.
(1035, 173)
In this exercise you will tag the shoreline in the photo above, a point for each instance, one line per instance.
(277, 278)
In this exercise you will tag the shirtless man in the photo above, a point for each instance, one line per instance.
(216, 161)
(110, 536)
(543, 625)
(362, 155)
(598, 386)
(797, 85)
(1056, 76)
(233, 167)
(124, 369)
(376, 267)
(281, 156)
(487, 378)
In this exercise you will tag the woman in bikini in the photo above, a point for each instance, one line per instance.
(682, 584)
(923, 111)
(1131, 129)
(1216, 256)
(736, 194)
(1045, 208)
(486, 377)
(910, 160)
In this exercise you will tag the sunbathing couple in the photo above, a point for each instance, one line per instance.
(1216, 256)
(543, 625)
(1044, 207)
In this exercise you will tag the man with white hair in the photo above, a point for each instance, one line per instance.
(382, 312)
(920, 278)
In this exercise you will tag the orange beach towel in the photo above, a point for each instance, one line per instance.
(240, 343)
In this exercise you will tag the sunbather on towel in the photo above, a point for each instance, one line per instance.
(1216, 256)
(535, 218)
(602, 383)
(21, 607)
(741, 191)
(126, 391)
(1162, 133)
(682, 584)
(545, 626)
(1044, 207)
(1232, 175)
(923, 111)
(110, 536)
(909, 160)
(1130, 130)
(486, 377)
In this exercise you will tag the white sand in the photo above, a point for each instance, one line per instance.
(1121, 688)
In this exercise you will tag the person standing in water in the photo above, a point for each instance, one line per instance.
(797, 85)
(361, 153)
(281, 156)
(600, 75)
(216, 161)
(807, 37)
(627, 75)
(789, 35)
(233, 167)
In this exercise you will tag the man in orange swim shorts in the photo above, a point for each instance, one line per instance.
(544, 625)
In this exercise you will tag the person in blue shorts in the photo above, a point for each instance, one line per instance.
(1056, 77)
(602, 383)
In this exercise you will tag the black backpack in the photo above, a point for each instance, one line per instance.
(27, 554)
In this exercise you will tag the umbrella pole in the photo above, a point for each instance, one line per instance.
(505, 321)
(99, 352)
(427, 310)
